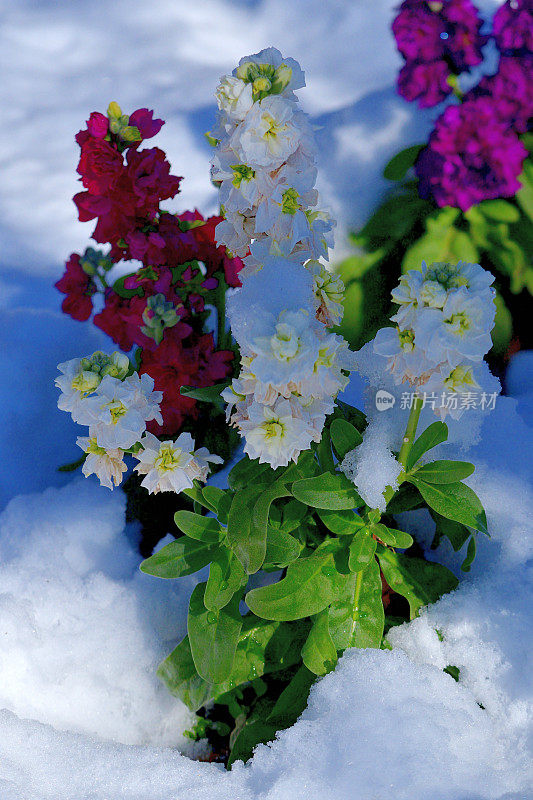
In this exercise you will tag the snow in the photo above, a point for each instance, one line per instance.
(83, 630)
(84, 716)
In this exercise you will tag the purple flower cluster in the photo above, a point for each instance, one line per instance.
(513, 27)
(472, 156)
(438, 39)
(474, 152)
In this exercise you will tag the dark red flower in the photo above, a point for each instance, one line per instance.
(78, 287)
(100, 166)
(151, 181)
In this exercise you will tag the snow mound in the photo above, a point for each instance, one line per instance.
(82, 629)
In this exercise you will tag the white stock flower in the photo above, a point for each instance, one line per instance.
(234, 97)
(451, 388)
(288, 351)
(120, 410)
(107, 465)
(407, 363)
(283, 74)
(82, 376)
(172, 466)
(269, 134)
(462, 327)
(274, 435)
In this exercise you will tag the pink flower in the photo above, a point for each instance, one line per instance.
(98, 125)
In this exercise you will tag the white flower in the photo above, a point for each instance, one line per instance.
(76, 384)
(406, 362)
(269, 134)
(107, 465)
(433, 294)
(461, 328)
(274, 435)
(234, 97)
(283, 74)
(329, 291)
(166, 465)
(407, 295)
(82, 376)
(119, 410)
(454, 386)
(327, 377)
(172, 466)
(288, 351)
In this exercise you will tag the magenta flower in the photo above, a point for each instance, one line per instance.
(512, 26)
(425, 82)
(471, 156)
(511, 90)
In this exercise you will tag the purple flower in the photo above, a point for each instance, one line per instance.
(434, 30)
(471, 156)
(418, 31)
(512, 26)
(425, 82)
(511, 91)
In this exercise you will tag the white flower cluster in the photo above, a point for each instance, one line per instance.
(291, 367)
(115, 403)
(443, 324)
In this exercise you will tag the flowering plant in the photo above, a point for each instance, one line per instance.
(306, 557)
(158, 313)
(471, 194)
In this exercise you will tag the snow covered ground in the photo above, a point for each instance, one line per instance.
(81, 628)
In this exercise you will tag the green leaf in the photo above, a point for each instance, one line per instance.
(226, 576)
(213, 636)
(288, 707)
(391, 536)
(456, 532)
(500, 210)
(204, 529)
(325, 456)
(282, 548)
(419, 581)
(356, 617)
(197, 496)
(265, 646)
(248, 471)
(246, 540)
(118, 287)
(397, 167)
(292, 515)
(405, 499)
(341, 523)
(455, 501)
(179, 558)
(444, 471)
(178, 672)
(73, 464)
(435, 434)
(208, 394)
(213, 495)
(332, 492)
(345, 437)
(470, 555)
(362, 550)
(319, 654)
(403, 540)
(309, 586)
(525, 195)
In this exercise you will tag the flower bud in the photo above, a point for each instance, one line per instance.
(261, 84)
(114, 111)
(282, 78)
(131, 134)
(158, 315)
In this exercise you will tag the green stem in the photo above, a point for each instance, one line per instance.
(220, 303)
(410, 432)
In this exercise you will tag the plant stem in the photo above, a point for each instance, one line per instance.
(410, 432)
(220, 303)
